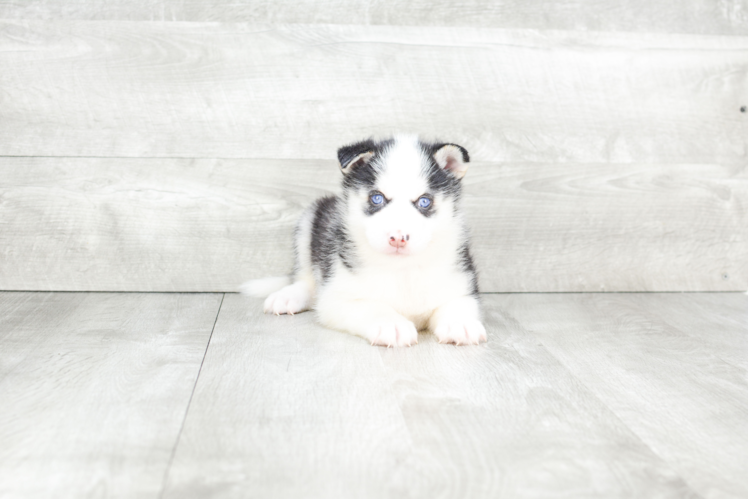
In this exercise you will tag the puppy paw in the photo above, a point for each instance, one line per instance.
(288, 300)
(461, 332)
(397, 332)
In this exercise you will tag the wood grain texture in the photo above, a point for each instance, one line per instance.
(164, 89)
(94, 389)
(150, 225)
(719, 321)
(662, 364)
(662, 16)
(609, 227)
(286, 408)
(209, 225)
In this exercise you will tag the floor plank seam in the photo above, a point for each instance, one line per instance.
(189, 403)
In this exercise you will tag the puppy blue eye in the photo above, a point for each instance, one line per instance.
(424, 202)
(377, 199)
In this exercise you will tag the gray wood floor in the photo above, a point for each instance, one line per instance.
(184, 395)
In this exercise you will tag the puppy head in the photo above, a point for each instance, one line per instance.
(401, 193)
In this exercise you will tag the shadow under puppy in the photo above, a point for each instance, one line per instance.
(391, 254)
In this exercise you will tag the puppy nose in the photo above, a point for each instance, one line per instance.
(399, 240)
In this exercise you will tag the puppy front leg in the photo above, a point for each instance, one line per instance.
(458, 322)
(290, 299)
(378, 323)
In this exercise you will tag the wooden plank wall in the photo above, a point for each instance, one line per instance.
(710, 17)
(169, 146)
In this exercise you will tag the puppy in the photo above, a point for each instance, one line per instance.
(390, 256)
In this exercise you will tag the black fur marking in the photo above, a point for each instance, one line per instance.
(371, 208)
(428, 211)
(348, 153)
(362, 176)
(440, 180)
(437, 147)
(467, 266)
(345, 248)
(330, 240)
(329, 237)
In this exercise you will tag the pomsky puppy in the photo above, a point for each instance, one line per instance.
(390, 256)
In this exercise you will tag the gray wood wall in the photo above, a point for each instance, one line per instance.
(169, 146)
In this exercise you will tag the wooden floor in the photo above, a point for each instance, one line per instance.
(160, 152)
(184, 395)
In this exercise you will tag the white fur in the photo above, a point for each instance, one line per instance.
(289, 300)
(402, 182)
(393, 292)
(457, 322)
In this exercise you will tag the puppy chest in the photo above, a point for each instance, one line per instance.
(413, 291)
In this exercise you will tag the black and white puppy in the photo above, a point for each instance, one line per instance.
(390, 256)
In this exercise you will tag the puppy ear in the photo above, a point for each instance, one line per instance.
(452, 158)
(355, 155)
